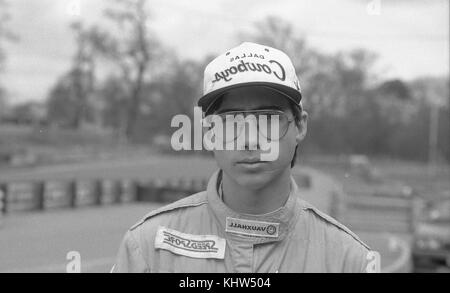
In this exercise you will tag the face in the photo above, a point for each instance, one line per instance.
(245, 167)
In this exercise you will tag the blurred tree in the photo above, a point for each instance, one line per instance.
(272, 31)
(173, 92)
(113, 94)
(352, 72)
(4, 32)
(276, 32)
(3, 105)
(29, 113)
(6, 35)
(82, 73)
(335, 89)
(379, 112)
(132, 49)
(331, 83)
(351, 109)
(396, 88)
(68, 102)
(62, 101)
(432, 95)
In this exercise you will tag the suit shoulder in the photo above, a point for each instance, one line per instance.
(330, 221)
(194, 200)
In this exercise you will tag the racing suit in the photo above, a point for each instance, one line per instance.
(201, 234)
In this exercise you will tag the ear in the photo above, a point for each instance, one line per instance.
(302, 126)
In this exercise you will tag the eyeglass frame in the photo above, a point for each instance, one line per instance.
(244, 112)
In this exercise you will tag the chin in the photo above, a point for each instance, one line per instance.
(253, 180)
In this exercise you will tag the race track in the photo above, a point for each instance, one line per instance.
(40, 241)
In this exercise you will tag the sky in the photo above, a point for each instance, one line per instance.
(411, 37)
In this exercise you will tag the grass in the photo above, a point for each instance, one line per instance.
(28, 136)
(45, 146)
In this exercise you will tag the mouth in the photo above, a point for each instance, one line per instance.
(251, 164)
(250, 161)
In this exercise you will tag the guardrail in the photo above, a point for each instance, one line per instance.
(381, 214)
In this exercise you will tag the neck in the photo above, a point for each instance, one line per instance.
(266, 199)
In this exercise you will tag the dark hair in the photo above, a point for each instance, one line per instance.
(296, 111)
(294, 158)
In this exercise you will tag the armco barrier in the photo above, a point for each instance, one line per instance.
(380, 214)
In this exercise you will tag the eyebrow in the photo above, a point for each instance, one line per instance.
(271, 107)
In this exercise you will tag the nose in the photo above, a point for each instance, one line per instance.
(251, 134)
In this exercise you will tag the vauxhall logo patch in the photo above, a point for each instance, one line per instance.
(196, 246)
(252, 228)
(275, 69)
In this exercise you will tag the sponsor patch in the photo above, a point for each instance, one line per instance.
(196, 246)
(252, 228)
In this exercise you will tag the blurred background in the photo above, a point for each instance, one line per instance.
(88, 90)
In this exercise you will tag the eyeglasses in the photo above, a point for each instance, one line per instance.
(235, 122)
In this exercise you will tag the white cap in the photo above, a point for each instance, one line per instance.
(250, 64)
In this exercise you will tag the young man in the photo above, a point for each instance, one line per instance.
(252, 217)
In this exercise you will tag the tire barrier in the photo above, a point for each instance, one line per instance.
(2, 202)
(47, 195)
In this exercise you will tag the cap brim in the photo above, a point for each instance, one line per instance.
(208, 100)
